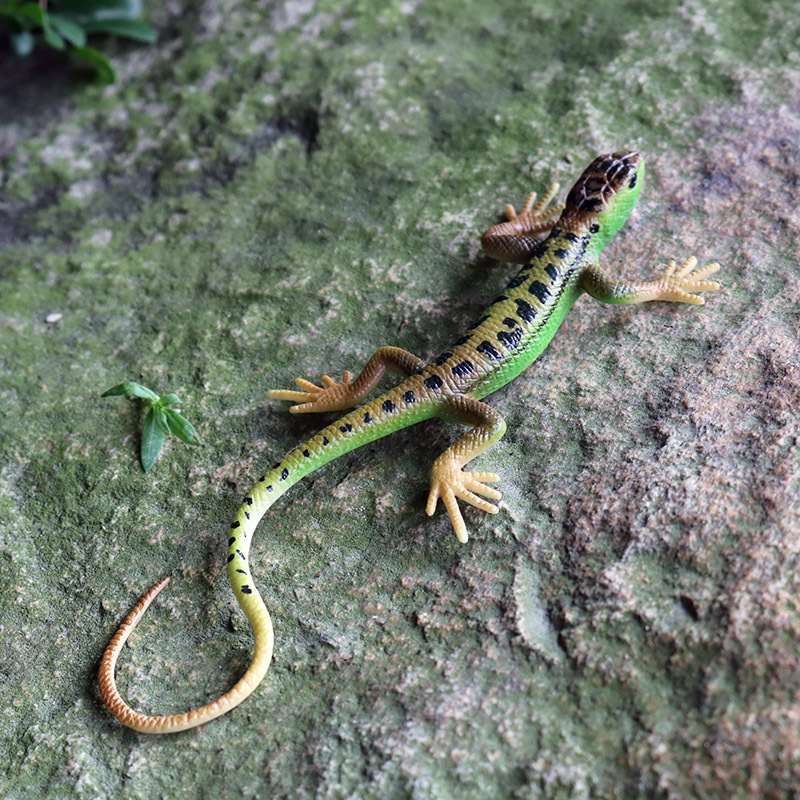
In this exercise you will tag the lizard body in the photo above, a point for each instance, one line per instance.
(560, 257)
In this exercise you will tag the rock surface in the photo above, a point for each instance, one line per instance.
(277, 189)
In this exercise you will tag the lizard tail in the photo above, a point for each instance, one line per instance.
(252, 605)
(357, 428)
(261, 623)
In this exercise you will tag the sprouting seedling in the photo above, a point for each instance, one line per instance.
(159, 420)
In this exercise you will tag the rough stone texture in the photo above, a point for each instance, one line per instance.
(277, 189)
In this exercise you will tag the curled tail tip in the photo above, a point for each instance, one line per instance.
(154, 591)
(262, 627)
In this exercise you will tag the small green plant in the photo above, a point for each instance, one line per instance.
(159, 420)
(66, 24)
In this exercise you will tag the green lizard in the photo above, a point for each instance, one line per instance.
(559, 247)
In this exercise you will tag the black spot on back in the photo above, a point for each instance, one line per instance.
(539, 290)
(510, 338)
(488, 350)
(434, 382)
(442, 357)
(525, 311)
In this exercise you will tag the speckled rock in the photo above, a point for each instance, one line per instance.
(277, 189)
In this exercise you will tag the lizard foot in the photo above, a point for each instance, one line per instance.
(331, 396)
(540, 211)
(679, 284)
(448, 481)
(516, 239)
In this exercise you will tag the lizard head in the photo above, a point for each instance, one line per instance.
(605, 195)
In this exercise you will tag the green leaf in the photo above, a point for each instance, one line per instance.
(105, 72)
(129, 28)
(22, 43)
(51, 37)
(73, 33)
(33, 11)
(181, 427)
(84, 11)
(170, 399)
(132, 389)
(153, 433)
(10, 10)
(161, 419)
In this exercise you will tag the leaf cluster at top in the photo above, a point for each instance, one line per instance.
(66, 24)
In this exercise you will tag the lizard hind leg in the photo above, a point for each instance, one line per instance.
(448, 481)
(331, 396)
(347, 393)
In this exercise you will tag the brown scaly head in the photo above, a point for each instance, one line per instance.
(605, 194)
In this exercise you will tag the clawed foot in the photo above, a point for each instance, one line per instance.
(539, 213)
(331, 396)
(678, 284)
(448, 481)
(516, 239)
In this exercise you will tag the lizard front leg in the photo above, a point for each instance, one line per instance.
(336, 396)
(676, 284)
(516, 240)
(448, 481)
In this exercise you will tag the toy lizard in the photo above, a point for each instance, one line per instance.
(560, 247)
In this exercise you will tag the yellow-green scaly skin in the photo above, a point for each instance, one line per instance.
(507, 338)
